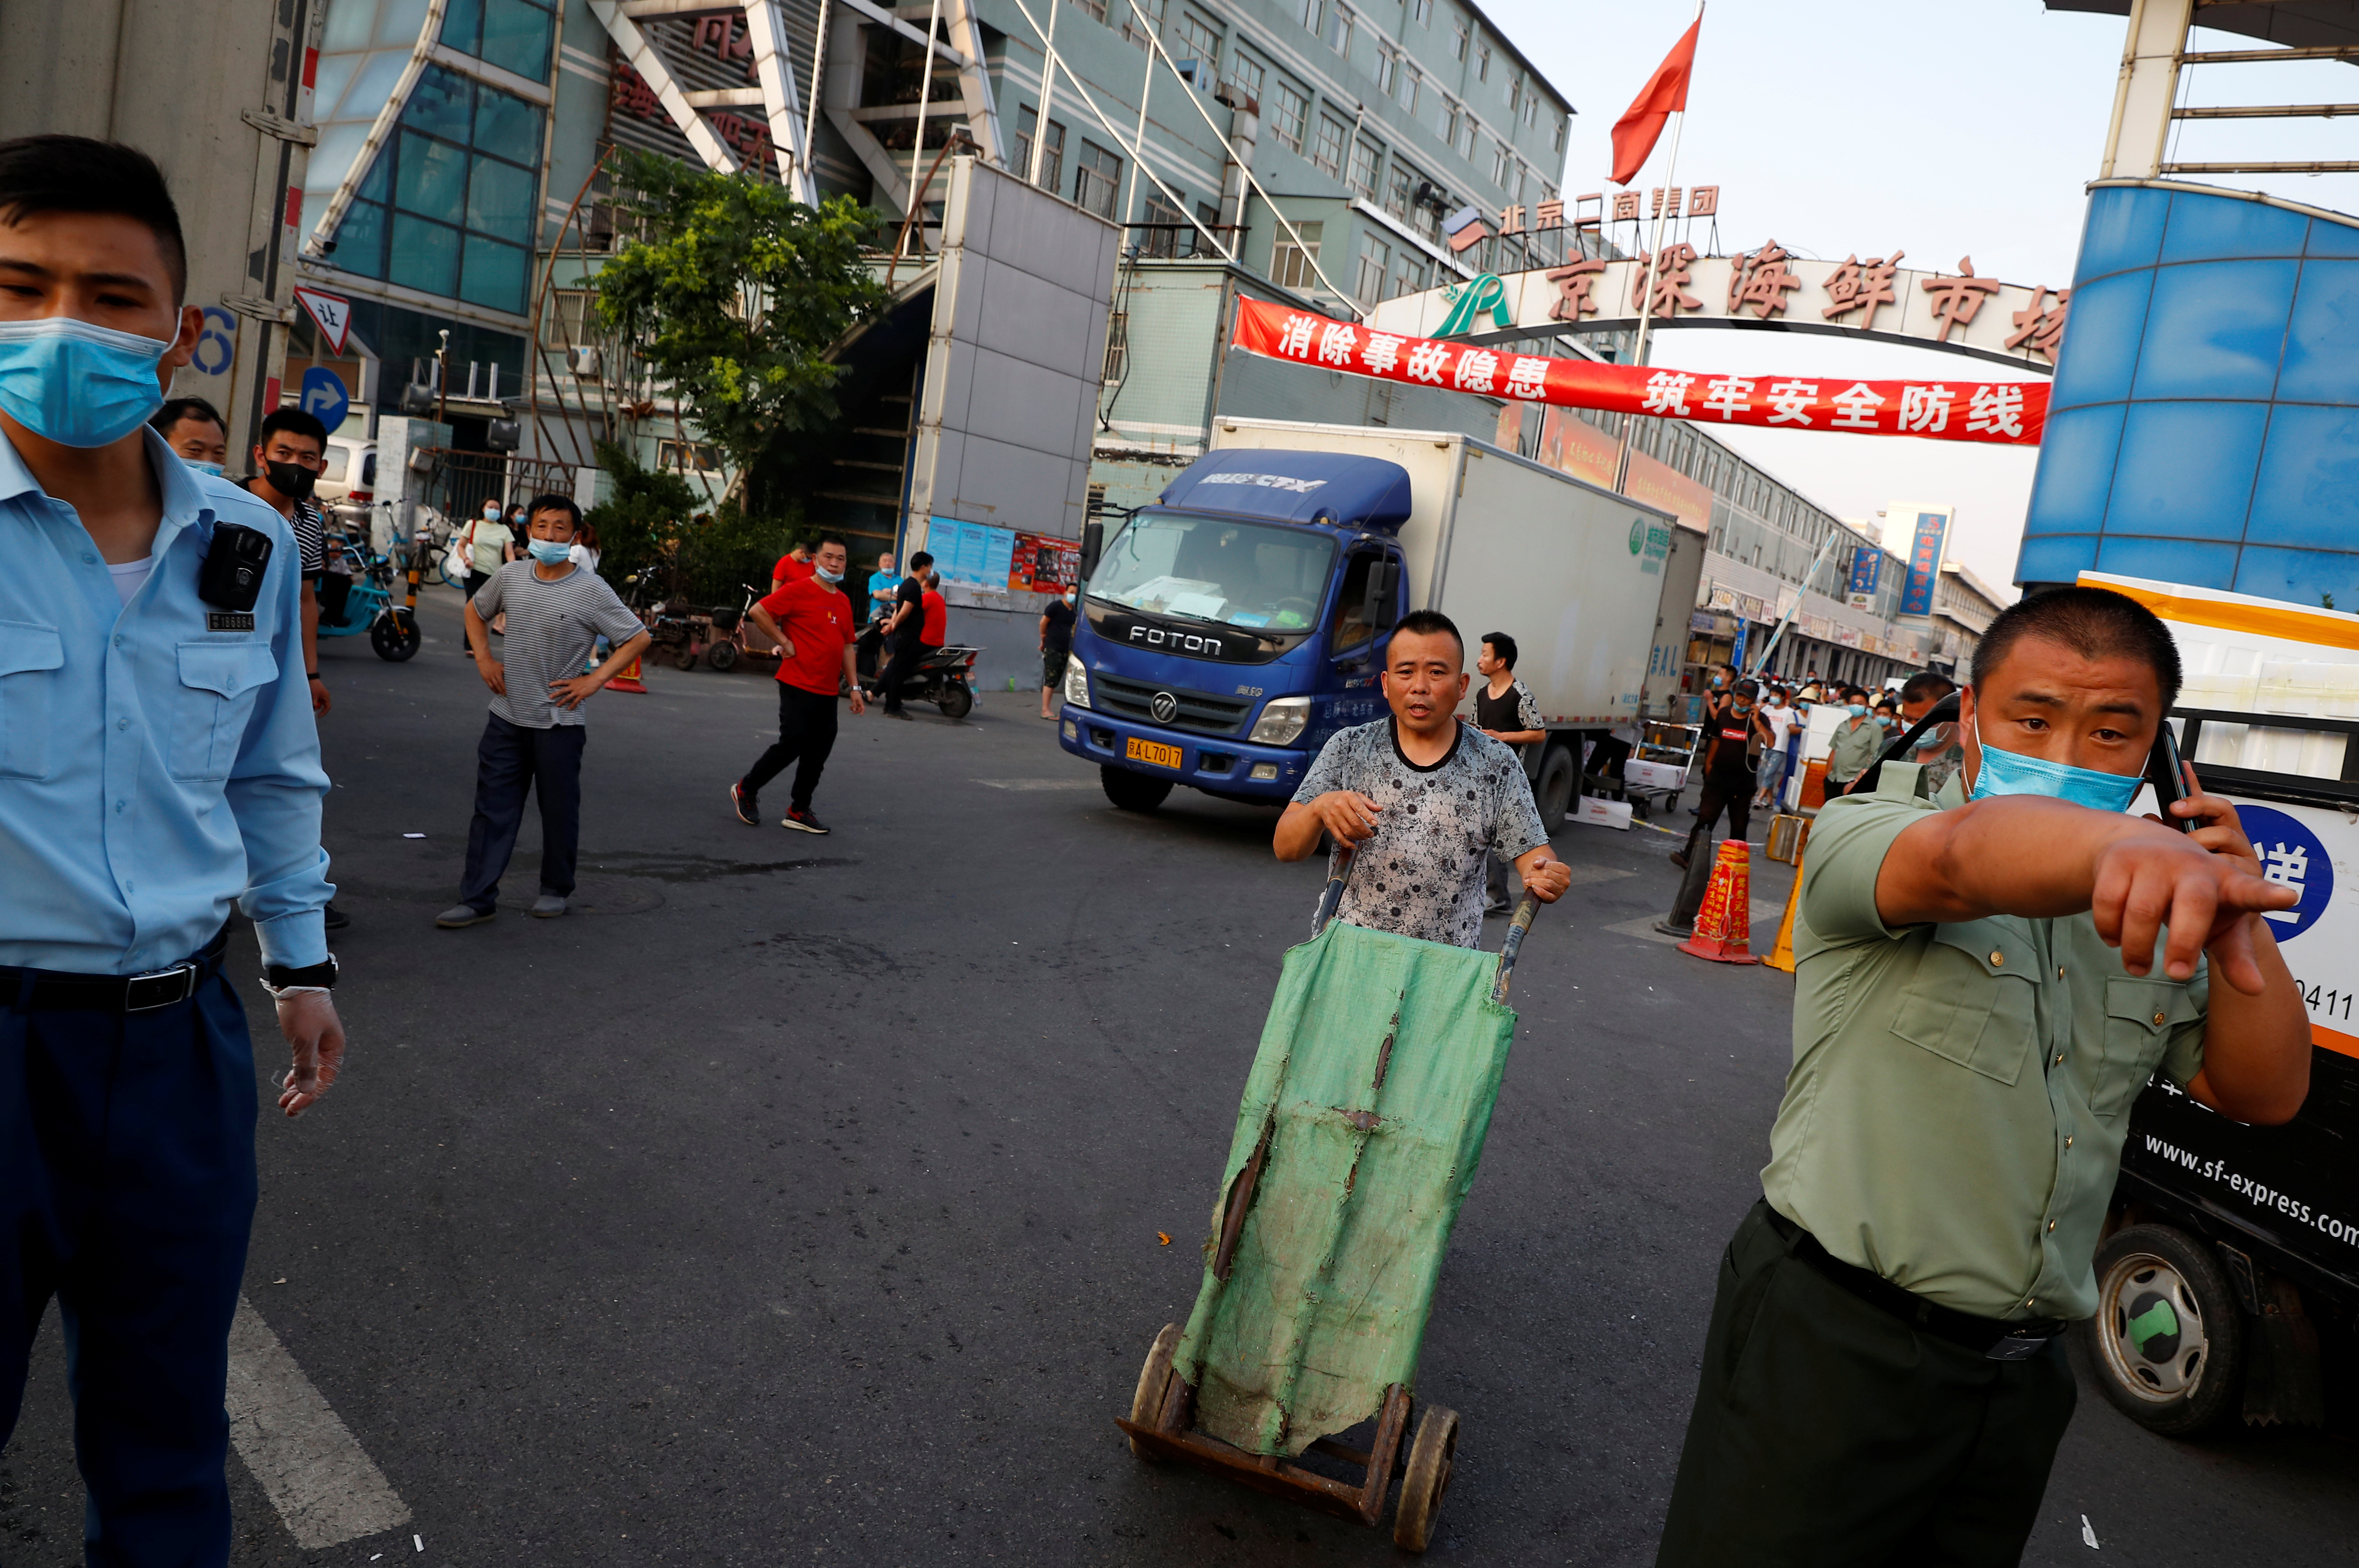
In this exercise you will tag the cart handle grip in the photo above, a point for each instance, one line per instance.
(1517, 925)
(1339, 873)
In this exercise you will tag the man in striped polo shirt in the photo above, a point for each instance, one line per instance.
(533, 740)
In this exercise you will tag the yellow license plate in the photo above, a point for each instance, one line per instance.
(1140, 750)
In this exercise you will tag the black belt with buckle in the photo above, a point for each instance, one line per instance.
(52, 989)
(2000, 1340)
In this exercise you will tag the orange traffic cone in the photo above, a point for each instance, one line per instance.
(628, 680)
(1781, 956)
(1724, 927)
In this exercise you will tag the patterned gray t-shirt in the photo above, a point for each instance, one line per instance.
(1421, 874)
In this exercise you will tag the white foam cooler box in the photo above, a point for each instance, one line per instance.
(1654, 775)
(1601, 813)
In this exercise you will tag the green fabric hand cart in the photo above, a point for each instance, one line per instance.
(1359, 1136)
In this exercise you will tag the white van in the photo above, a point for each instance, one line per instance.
(351, 470)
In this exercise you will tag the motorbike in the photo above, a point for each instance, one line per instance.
(368, 605)
(733, 637)
(944, 677)
(677, 632)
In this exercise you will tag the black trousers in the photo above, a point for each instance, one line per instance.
(126, 1192)
(475, 580)
(510, 760)
(335, 593)
(906, 653)
(806, 735)
(871, 646)
(1734, 796)
(1829, 1434)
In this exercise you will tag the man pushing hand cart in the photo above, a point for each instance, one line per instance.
(1363, 1116)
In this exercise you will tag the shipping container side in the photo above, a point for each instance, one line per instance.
(1551, 563)
(1498, 543)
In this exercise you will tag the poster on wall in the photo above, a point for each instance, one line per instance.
(1574, 446)
(1044, 564)
(974, 553)
(1866, 570)
(1924, 562)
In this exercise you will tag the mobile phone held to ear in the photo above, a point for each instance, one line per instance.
(231, 578)
(2169, 779)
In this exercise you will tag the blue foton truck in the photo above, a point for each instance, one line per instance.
(1228, 630)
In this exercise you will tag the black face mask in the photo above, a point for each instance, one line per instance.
(292, 480)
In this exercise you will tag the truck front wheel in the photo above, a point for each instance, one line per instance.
(2168, 1342)
(1553, 792)
(1133, 791)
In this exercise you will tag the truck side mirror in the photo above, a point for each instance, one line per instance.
(1093, 542)
(1384, 583)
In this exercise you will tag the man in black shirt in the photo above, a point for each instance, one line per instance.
(901, 634)
(1727, 772)
(1505, 710)
(1056, 645)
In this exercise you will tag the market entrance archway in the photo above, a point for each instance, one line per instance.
(1764, 290)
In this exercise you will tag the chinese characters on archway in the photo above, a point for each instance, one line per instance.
(1865, 293)
(2008, 413)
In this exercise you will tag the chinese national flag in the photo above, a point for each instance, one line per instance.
(1666, 94)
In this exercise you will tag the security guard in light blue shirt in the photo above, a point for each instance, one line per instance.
(205, 774)
(158, 765)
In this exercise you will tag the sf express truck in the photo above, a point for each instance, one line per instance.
(1229, 629)
(2228, 1280)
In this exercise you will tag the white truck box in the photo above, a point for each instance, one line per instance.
(1498, 544)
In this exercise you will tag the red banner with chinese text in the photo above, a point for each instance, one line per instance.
(2010, 413)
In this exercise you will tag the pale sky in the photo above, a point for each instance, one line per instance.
(1945, 130)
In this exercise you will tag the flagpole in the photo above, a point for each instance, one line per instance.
(1648, 267)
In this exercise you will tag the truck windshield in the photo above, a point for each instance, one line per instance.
(1210, 568)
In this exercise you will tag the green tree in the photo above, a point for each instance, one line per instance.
(698, 553)
(640, 523)
(732, 294)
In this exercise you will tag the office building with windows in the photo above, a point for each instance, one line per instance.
(1366, 124)
(426, 201)
(454, 189)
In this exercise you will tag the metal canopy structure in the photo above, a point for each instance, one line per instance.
(956, 41)
(2145, 104)
(774, 92)
(2292, 24)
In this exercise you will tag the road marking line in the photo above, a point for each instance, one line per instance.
(1038, 783)
(326, 1488)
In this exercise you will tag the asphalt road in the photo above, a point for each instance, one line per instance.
(797, 1200)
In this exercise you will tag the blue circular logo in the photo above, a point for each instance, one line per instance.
(2290, 853)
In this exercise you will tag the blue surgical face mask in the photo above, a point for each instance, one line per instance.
(2012, 773)
(78, 383)
(551, 552)
(1856, 709)
(212, 469)
(827, 577)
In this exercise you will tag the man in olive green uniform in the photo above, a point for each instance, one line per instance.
(1856, 741)
(1985, 979)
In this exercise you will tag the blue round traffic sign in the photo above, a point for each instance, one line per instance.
(2290, 853)
(323, 396)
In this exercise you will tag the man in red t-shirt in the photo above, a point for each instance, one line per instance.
(932, 632)
(812, 623)
(795, 566)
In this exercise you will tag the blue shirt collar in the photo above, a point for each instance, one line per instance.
(183, 497)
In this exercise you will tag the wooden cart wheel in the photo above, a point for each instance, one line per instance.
(1154, 1379)
(1430, 1459)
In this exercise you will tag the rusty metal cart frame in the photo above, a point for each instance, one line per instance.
(1162, 1425)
